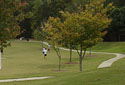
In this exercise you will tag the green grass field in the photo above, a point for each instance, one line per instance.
(115, 47)
(25, 59)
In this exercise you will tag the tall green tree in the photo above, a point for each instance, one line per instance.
(53, 30)
(25, 25)
(68, 31)
(117, 3)
(39, 11)
(10, 16)
(87, 26)
(116, 31)
(43, 9)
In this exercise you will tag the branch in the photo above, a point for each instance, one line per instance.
(77, 51)
(57, 50)
(84, 54)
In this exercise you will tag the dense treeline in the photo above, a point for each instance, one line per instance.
(11, 14)
(116, 31)
(40, 10)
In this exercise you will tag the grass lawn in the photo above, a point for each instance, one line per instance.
(25, 59)
(116, 47)
(107, 76)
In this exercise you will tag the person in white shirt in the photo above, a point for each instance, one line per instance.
(43, 50)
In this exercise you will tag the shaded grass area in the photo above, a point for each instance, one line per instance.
(25, 59)
(116, 47)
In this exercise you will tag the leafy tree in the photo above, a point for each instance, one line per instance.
(116, 31)
(116, 3)
(84, 28)
(72, 7)
(43, 9)
(39, 34)
(53, 30)
(11, 14)
(68, 31)
(25, 25)
(38, 11)
(87, 26)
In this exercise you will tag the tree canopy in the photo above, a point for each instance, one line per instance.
(83, 28)
(40, 10)
(11, 14)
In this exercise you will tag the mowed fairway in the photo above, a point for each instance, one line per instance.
(25, 59)
(115, 47)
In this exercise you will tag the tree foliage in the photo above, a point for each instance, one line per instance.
(83, 29)
(116, 31)
(10, 13)
(38, 12)
(53, 30)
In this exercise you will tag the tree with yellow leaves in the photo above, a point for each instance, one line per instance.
(83, 29)
(53, 32)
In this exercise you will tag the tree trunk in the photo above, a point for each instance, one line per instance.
(80, 59)
(59, 56)
(0, 61)
(90, 52)
(84, 54)
(42, 44)
(70, 53)
(59, 63)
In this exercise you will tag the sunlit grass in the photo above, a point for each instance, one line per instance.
(25, 59)
(116, 47)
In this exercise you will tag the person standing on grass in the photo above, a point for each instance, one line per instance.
(48, 48)
(45, 52)
(1, 50)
